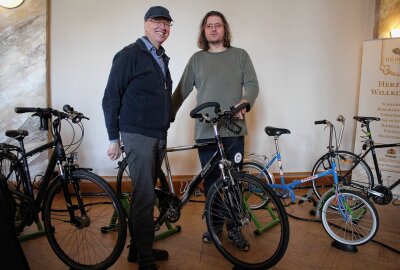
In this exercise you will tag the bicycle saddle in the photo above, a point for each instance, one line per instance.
(19, 133)
(366, 118)
(273, 131)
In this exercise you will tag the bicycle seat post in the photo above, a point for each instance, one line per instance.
(27, 185)
(278, 156)
(169, 174)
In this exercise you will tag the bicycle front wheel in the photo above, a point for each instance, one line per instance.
(351, 170)
(349, 218)
(95, 235)
(248, 238)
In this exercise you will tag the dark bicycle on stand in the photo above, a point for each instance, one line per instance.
(228, 202)
(75, 204)
(353, 169)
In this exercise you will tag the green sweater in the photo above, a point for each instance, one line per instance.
(225, 77)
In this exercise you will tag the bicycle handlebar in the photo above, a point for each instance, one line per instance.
(220, 114)
(46, 113)
(217, 109)
(194, 113)
(340, 119)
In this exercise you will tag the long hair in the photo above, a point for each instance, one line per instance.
(202, 42)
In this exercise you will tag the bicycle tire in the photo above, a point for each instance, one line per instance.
(14, 173)
(360, 176)
(124, 190)
(96, 244)
(361, 222)
(265, 229)
(257, 170)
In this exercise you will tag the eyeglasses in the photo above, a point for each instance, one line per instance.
(211, 26)
(159, 23)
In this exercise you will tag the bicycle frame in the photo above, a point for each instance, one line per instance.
(23, 159)
(57, 155)
(295, 183)
(194, 183)
(57, 158)
(370, 146)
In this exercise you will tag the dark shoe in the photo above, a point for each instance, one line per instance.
(148, 267)
(207, 237)
(158, 254)
(236, 236)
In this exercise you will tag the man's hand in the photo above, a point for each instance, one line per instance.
(240, 114)
(114, 150)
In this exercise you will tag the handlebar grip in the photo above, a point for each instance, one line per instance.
(241, 107)
(194, 113)
(319, 122)
(25, 109)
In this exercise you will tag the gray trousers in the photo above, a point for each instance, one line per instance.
(144, 156)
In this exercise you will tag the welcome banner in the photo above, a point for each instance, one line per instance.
(380, 97)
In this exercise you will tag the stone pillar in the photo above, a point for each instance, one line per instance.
(23, 79)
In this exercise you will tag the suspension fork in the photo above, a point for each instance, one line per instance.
(66, 178)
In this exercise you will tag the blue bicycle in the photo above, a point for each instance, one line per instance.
(346, 214)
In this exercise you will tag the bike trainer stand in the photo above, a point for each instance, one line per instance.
(344, 247)
(158, 236)
(40, 232)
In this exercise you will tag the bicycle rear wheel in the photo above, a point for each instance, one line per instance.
(265, 229)
(97, 239)
(351, 169)
(257, 170)
(124, 191)
(350, 218)
(13, 171)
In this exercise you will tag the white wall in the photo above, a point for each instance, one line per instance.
(307, 55)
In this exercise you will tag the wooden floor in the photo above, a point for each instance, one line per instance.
(309, 246)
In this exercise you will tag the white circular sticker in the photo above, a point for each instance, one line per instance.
(238, 157)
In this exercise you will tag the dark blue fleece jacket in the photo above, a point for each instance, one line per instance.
(137, 98)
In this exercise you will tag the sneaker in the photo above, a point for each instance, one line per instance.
(207, 236)
(236, 236)
(158, 254)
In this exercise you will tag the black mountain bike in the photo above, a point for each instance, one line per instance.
(228, 203)
(354, 171)
(75, 204)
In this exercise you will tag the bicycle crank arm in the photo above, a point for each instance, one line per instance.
(375, 193)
